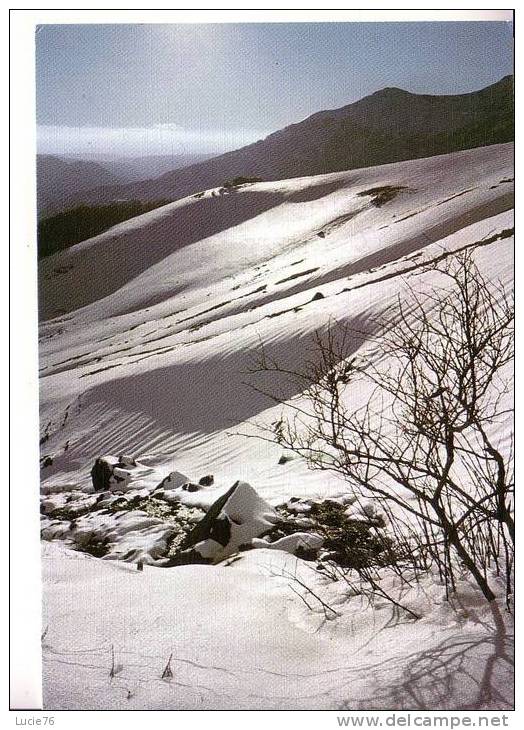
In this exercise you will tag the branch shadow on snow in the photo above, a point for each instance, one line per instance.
(466, 671)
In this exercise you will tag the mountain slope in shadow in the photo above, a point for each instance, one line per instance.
(390, 125)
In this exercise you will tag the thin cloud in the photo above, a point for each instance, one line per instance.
(169, 139)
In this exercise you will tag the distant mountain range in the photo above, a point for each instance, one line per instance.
(133, 168)
(388, 126)
(61, 180)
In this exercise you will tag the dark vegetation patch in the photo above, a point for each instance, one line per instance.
(92, 544)
(152, 353)
(205, 311)
(405, 217)
(349, 542)
(382, 195)
(181, 517)
(240, 180)
(506, 233)
(457, 195)
(285, 311)
(296, 276)
(504, 180)
(218, 306)
(61, 231)
(154, 507)
(100, 370)
(250, 293)
(337, 222)
(69, 512)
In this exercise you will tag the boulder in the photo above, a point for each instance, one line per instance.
(302, 544)
(233, 520)
(191, 487)
(206, 481)
(102, 472)
(285, 458)
(174, 480)
(109, 475)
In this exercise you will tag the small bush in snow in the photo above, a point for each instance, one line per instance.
(424, 445)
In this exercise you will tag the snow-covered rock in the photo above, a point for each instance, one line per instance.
(108, 473)
(125, 535)
(232, 521)
(191, 487)
(173, 480)
(297, 544)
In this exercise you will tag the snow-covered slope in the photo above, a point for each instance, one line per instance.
(148, 335)
(236, 637)
(158, 365)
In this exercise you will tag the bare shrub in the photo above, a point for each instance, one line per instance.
(422, 442)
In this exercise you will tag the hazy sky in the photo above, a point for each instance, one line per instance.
(148, 89)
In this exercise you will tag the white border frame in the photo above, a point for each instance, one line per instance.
(25, 549)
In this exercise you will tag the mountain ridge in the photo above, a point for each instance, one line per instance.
(377, 129)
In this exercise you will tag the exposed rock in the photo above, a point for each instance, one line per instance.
(168, 526)
(233, 520)
(110, 474)
(206, 481)
(173, 480)
(299, 543)
(204, 528)
(102, 472)
(318, 296)
(285, 458)
(191, 487)
(171, 496)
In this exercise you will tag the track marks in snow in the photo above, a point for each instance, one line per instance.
(299, 275)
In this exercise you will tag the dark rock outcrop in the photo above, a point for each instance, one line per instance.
(191, 487)
(109, 473)
(206, 481)
(232, 521)
(101, 474)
